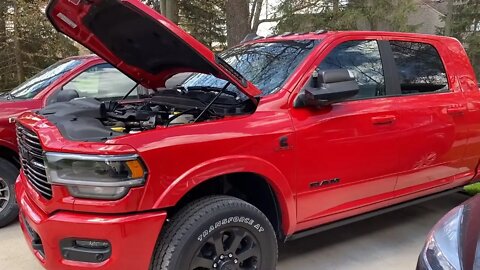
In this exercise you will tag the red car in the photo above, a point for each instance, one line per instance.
(272, 140)
(86, 76)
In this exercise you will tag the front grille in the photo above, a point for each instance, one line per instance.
(31, 157)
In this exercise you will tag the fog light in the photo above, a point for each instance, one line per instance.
(86, 250)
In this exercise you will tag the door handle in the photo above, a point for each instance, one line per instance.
(384, 120)
(456, 110)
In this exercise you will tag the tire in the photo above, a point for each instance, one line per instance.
(187, 240)
(8, 203)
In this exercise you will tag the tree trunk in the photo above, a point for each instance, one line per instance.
(336, 5)
(238, 27)
(3, 45)
(449, 18)
(172, 10)
(256, 15)
(16, 44)
(163, 7)
(3, 32)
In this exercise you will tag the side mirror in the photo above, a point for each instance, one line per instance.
(328, 87)
(65, 95)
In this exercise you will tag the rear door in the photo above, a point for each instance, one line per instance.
(431, 110)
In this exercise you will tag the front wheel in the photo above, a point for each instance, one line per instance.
(8, 205)
(218, 232)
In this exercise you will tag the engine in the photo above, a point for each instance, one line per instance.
(88, 119)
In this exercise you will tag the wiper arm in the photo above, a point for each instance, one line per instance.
(10, 96)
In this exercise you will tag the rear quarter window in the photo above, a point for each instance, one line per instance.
(420, 68)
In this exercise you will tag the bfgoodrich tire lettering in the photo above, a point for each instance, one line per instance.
(8, 204)
(218, 232)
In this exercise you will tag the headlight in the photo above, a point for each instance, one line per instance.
(95, 177)
(442, 248)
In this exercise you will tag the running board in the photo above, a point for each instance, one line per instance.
(368, 215)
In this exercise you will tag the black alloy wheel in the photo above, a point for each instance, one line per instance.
(219, 233)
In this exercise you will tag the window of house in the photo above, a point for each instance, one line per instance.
(362, 58)
(420, 67)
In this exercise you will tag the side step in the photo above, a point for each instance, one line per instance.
(368, 215)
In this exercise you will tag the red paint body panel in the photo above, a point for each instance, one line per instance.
(68, 17)
(430, 143)
(126, 234)
(14, 108)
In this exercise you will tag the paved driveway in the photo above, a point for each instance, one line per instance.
(392, 241)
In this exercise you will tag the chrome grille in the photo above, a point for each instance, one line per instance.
(31, 157)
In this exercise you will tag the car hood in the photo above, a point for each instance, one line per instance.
(138, 41)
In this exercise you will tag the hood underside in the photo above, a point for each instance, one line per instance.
(138, 41)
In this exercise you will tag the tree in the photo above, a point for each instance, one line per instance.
(462, 21)
(345, 15)
(296, 16)
(169, 8)
(238, 17)
(30, 43)
(205, 20)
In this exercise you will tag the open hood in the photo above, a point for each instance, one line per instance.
(138, 41)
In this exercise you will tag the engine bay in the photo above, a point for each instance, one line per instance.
(88, 119)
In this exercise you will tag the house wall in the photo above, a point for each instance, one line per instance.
(426, 18)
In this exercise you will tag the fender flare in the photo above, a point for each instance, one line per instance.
(235, 164)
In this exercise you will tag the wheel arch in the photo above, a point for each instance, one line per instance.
(232, 169)
(7, 152)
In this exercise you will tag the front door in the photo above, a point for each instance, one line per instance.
(347, 153)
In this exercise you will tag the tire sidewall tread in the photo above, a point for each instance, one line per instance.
(9, 173)
(182, 232)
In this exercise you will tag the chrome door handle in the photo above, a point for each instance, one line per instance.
(384, 120)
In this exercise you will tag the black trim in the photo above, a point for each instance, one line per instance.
(70, 250)
(390, 70)
(232, 71)
(36, 241)
(368, 215)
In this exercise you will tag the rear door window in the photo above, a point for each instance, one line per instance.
(420, 68)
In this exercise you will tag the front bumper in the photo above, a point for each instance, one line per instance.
(132, 237)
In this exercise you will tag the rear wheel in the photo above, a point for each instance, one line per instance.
(218, 232)
(8, 204)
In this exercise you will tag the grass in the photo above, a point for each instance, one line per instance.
(473, 189)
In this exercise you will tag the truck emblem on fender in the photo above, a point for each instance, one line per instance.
(324, 183)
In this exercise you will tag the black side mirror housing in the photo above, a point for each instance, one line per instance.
(65, 95)
(328, 87)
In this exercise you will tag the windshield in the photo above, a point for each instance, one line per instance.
(42, 80)
(266, 65)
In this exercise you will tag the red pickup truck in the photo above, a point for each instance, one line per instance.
(85, 76)
(272, 140)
